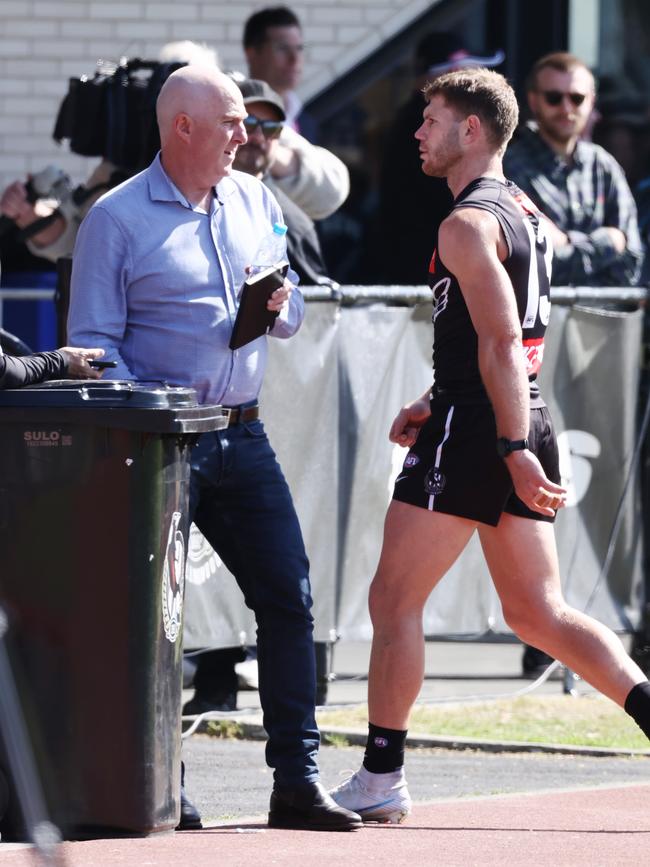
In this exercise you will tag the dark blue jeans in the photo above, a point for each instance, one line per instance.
(240, 501)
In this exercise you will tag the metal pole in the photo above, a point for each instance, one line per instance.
(41, 832)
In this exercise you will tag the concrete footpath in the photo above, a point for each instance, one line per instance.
(473, 806)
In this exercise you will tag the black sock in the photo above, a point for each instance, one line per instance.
(384, 750)
(637, 704)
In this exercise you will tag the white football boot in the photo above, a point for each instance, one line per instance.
(375, 797)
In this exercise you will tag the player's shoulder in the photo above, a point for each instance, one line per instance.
(467, 221)
(466, 236)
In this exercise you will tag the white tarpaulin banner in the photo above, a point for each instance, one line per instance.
(330, 395)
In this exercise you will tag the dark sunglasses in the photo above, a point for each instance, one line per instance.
(270, 128)
(555, 97)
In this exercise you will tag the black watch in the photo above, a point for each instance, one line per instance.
(505, 446)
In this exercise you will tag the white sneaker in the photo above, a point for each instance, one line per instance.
(247, 675)
(375, 797)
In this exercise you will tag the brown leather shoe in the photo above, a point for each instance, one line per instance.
(309, 808)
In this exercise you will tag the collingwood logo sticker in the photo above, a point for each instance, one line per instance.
(173, 580)
(435, 481)
(440, 297)
(202, 562)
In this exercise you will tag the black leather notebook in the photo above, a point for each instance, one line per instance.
(253, 319)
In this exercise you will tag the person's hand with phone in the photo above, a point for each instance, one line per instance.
(85, 363)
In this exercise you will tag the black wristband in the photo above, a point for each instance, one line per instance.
(505, 446)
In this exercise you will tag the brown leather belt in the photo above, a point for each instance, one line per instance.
(238, 414)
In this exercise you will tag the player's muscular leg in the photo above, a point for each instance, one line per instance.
(522, 559)
(418, 548)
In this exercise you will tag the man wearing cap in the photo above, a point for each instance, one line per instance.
(312, 177)
(264, 124)
(583, 191)
(412, 205)
(578, 185)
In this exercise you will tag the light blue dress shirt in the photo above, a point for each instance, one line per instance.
(155, 284)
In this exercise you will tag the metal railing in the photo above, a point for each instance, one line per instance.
(390, 294)
(411, 295)
(635, 296)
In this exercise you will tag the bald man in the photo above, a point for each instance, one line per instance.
(157, 268)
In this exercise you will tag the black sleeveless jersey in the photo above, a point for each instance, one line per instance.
(528, 264)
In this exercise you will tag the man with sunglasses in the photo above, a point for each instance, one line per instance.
(581, 188)
(575, 183)
(264, 125)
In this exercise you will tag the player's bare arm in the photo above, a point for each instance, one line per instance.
(490, 300)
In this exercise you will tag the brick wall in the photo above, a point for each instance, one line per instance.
(44, 42)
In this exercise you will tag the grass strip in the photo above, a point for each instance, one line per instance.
(590, 721)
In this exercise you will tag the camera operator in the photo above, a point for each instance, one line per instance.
(47, 211)
(49, 221)
(312, 177)
(40, 216)
(25, 267)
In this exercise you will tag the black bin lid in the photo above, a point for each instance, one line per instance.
(151, 406)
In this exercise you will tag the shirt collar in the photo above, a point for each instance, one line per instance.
(161, 186)
(225, 188)
(580, 152)
(163, 189)
(577, 157)
(292, 106)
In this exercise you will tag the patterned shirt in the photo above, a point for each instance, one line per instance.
(581, 198)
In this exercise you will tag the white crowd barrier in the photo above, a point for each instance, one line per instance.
(330, 395)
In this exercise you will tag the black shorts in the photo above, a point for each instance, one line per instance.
(454, 466)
